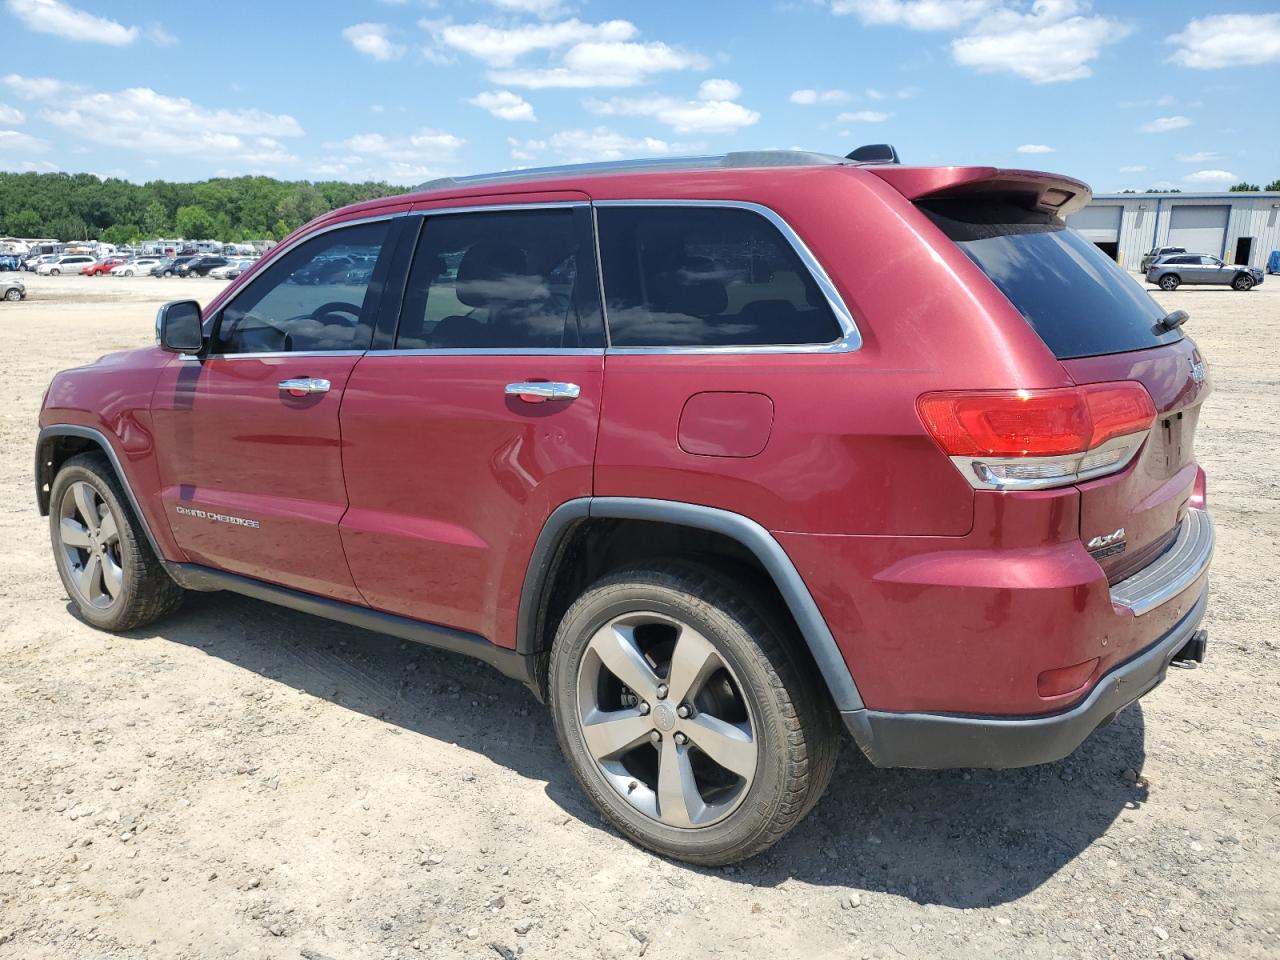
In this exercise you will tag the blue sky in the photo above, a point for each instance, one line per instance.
(1134, 94)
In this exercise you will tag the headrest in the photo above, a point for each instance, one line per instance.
(493, 271)
(695, 287)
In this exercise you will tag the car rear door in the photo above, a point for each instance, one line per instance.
(452, 466)
(248, 436)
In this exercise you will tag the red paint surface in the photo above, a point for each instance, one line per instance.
(722, 424)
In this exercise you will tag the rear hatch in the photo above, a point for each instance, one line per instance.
(1105, 328)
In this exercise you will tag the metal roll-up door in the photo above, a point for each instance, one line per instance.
(1199, 229)
(1100, 224)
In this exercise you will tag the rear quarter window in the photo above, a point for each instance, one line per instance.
(1079, 300)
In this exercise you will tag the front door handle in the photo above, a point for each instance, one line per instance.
(301, 386)
(536, 391)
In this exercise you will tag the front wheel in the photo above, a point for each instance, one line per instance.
(685, 716)
(1169, 282)
(106, 564)
(13, 294)
(1243, 282)
(54, 273)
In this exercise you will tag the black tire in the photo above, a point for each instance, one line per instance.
(147, 592)
(1170, 281)
(1243, 282)
(54, 272)
(168, 273)
(13, 294)
(794, 726)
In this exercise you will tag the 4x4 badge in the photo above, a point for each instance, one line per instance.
(1105, 540)
(1197, 370)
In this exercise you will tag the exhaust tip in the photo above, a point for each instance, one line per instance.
(1193, 650)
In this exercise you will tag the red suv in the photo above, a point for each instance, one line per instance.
(714, 455)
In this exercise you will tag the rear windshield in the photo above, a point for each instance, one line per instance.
(1074, 296)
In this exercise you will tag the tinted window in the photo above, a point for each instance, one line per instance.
(502, 281)
(706, 276)
(1077, 299)
(308, 299)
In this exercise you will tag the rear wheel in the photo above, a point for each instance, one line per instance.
(103, 557)
(54, 272)
(684, 716)
(1242, 282)
(13, 294)
(1169, 282)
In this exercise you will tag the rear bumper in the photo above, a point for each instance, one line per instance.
(937, 741)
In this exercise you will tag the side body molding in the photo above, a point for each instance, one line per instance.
(822, 645)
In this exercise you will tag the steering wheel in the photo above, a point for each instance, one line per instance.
(337, 307)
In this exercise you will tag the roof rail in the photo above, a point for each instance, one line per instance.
(744, 158)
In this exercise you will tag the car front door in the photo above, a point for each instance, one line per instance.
(1216, 271)
(247, 434)
(480, 416)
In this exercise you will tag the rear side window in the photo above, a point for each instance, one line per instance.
(512, 280)
(706, 276)
(1074, 296)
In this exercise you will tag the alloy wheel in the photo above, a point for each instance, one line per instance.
(664, 717)
(89, 537)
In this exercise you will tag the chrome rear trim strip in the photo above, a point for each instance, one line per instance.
(1173, 571)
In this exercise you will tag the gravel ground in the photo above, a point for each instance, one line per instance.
(245, 781)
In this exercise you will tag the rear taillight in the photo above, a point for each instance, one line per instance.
(1029, 439)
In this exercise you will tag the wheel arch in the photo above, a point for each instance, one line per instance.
(57, 443)
(551, 560)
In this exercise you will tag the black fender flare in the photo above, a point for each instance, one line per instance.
(44, 478)
(751, 535)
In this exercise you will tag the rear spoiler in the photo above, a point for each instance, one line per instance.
(1048, 192)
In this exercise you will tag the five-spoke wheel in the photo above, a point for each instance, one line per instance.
(90, 538)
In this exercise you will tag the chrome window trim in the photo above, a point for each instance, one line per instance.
(850, 341)
(502, 207)
(278, 251)
(273, 355)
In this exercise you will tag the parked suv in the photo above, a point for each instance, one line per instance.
(200, 266)
(714, 455)
(69, 263)
(1155, 253)
(1170, 272)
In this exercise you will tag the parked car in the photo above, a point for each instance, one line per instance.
(68, 263)
(1194, 268)
(1155, 253)
(330, 270)
(200, 266)
(33, 264)
(139, 267)
(169, 266)
(100, 268)
(231, 270)
(12, 289)
(970, 541)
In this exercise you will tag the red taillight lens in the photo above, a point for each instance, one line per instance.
(1054, 683)
(1035, 423)
(1028, 439)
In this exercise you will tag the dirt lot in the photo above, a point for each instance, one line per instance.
(244, 781)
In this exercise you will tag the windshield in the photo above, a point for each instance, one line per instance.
(1080, 302)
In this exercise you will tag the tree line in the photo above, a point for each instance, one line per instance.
(80, 206)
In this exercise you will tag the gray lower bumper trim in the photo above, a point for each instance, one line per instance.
(939, 741)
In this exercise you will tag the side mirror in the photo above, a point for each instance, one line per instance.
(178, 327)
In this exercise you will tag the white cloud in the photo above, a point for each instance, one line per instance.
(719, 90)
(599, 143)
(1133, 168)
(1228, 40)
(425, 145)
(1035, 148)
(142, 119)
(504, 104)
(1165, 124)
(502, 47)
(12, 141)
(11, 115)
(539, 8)
(604, 64)
(914, 14)
(63, 20)
(158, 35)
(1210, 177)
(809, 97)
(704, 115)
(374, 40)
(374, 156)
(1051, 44)
(1202, 156)
(864, 116)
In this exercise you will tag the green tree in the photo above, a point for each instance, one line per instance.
(24, 223)
(193, 222)
(1244, 186)
(122, 233)
(1273, 185)
(155, 220)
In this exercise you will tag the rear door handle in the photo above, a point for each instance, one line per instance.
(538, 390)
(301, 386)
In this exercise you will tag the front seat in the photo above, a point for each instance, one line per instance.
(491, 273)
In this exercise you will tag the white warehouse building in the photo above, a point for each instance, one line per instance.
(1237, 227)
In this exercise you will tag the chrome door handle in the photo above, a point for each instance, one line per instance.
(301, 386)
(542, 390)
